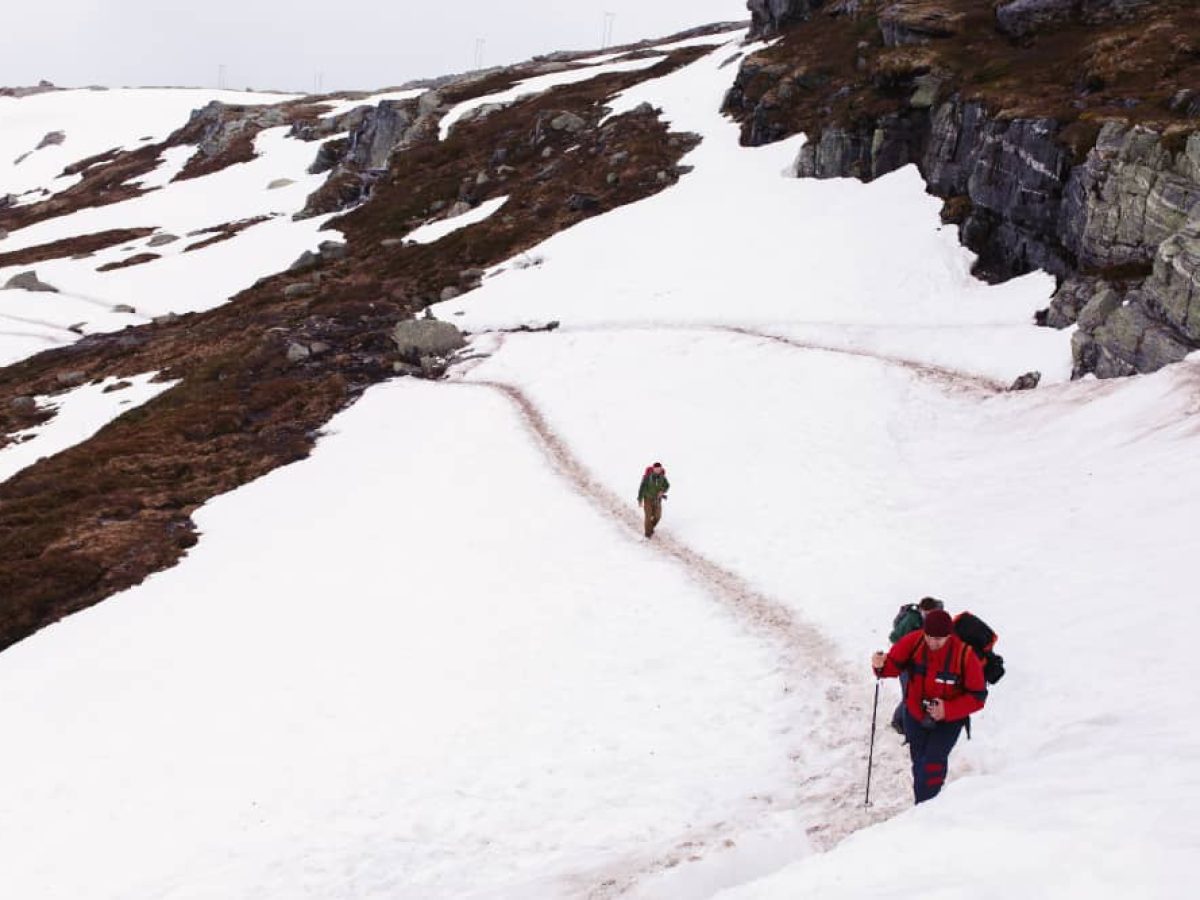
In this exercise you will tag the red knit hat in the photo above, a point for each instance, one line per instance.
(938, 623)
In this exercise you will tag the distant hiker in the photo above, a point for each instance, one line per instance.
(945, 686)
(910, 618)
(651, 493)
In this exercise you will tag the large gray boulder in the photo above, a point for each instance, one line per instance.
(28, 281)
(417, 338)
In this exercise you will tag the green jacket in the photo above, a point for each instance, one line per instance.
(653, 486)
(908, 619)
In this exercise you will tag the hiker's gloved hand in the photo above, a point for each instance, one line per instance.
(878, 658)
(937, 710)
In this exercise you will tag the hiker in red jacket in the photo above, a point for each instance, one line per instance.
(945, 685)
(651, 493)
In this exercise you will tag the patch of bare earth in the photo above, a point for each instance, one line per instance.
(74, 246)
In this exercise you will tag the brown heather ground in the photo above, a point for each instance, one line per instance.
(1077, 74)
(99, 517)
(84, 243)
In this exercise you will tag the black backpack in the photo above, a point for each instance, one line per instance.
(976, 634)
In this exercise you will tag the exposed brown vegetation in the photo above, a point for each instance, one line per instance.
(223, 232)
(136, 260)
(835, 70)
(98, 518)
(73, 246)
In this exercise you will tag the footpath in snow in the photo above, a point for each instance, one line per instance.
(437, 659)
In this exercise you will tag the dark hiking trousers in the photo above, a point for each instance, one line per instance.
(653, 511)
(898, 713)
(930, 750)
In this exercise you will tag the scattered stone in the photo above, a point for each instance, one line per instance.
(28, 281)
(52, 139)
(297, 352)
(619, 158)
(70, 379)
(77, 328)
(305, 260)
(547, 152)
(481, 179)
(161, 240)
(568, 122)
(166, 319)
(583, 202)
(279, 183)
(124, 308)
(300, 289)
(23, 404)
(3, 234)
(118, 386)
(316, 348)
(1026, 382)
(612, 178)
(460, 207)
(449, 293)
(391, 242)
(331, 250)
(7, 200)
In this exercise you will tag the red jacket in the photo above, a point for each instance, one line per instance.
(954, 673)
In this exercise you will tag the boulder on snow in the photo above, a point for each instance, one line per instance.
(417, 338)
(52, 139)
(1026, 382)
(160, 240)
(279, 183)
(28, 281)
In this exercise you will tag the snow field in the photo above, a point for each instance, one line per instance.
(312, 709)
(93, 122)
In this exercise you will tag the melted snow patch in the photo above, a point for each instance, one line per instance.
(434, 231)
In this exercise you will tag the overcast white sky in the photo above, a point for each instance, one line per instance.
(288, 43)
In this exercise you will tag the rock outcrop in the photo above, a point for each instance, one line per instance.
(375, 134)
(1108, 202)
(768, 16)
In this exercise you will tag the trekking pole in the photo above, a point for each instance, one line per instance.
(871, 754)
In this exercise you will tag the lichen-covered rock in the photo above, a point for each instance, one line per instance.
(417, 338)
(1128, 196)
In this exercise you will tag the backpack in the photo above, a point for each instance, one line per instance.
(906, 620)
(976, 634)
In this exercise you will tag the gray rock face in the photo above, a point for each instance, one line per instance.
(359, 160)
(1022, 17)
(161, 240)
(28, 281)
(1121, 228)
(417, 338)
(768, 16)
(1128, 196)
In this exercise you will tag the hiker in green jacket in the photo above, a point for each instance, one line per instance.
(651, 493)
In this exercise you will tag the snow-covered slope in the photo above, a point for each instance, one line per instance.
(437, 659)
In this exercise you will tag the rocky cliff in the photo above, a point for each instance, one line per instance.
(1062, 134)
